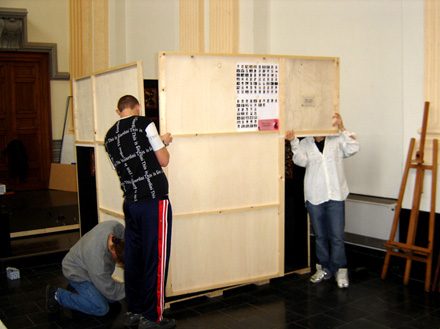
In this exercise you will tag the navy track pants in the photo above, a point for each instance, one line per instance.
(147, 249)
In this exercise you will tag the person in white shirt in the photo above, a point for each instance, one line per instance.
(325, 191)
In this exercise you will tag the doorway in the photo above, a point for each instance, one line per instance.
(25, 124)
(296, 240)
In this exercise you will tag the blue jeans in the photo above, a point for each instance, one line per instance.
(86, 299)
(328, 222)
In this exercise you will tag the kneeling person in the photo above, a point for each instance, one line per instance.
(89, 266)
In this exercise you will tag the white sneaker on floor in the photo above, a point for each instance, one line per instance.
(320, 274)
(342, 278)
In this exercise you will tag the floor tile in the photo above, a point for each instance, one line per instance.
(426, 322)
(346, 313)
(389, 318)
(321, 321)
(310, 308)
(363, 324)
(214, 320)
(18, 322)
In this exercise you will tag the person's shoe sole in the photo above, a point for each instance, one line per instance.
(52, 306)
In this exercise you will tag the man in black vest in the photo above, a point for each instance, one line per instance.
(138, 153)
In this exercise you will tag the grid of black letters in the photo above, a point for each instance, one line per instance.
(257, 85)
(257, 79)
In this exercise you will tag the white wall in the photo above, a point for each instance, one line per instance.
(140, 29)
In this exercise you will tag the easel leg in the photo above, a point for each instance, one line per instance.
(385, 265)
(413, 221)
(428, 272)
(407, 271)
(437, 270)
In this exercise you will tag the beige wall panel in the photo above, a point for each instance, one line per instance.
(191, 25)
(432, 66)
(83, 110)
(312, 95)
(100, 31)
(200, 91)
(218, 250)
(109, 87)
(223, 26)
(225, 171)
(108, 189)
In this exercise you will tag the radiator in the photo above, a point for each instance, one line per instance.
(370, 217)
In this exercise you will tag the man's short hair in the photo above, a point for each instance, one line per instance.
(127, 101)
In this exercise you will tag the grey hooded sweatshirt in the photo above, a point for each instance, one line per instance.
(90, 260)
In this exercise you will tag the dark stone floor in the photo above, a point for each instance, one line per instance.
(289, 302)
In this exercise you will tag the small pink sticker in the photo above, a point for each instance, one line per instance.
(268, 124)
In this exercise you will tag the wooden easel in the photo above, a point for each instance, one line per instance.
(408, 249)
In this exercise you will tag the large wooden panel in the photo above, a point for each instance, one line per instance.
(83, 110)
(226, 185)
(222, 249)
(312, 94)
(95, 101)
(109, 86)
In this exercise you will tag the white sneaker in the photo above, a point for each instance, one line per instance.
(320, 274)
(342, 278)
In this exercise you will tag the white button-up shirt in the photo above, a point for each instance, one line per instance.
(324, 179)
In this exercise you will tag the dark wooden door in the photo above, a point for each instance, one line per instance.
(25, 125)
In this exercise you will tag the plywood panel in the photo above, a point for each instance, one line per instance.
(312, 94)
(109, 87)
(95, 101)
(211, 172)
(109, 193)
(104, 216)
(226, 186)
(83, 109)
(200, 91)
(218, 250)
